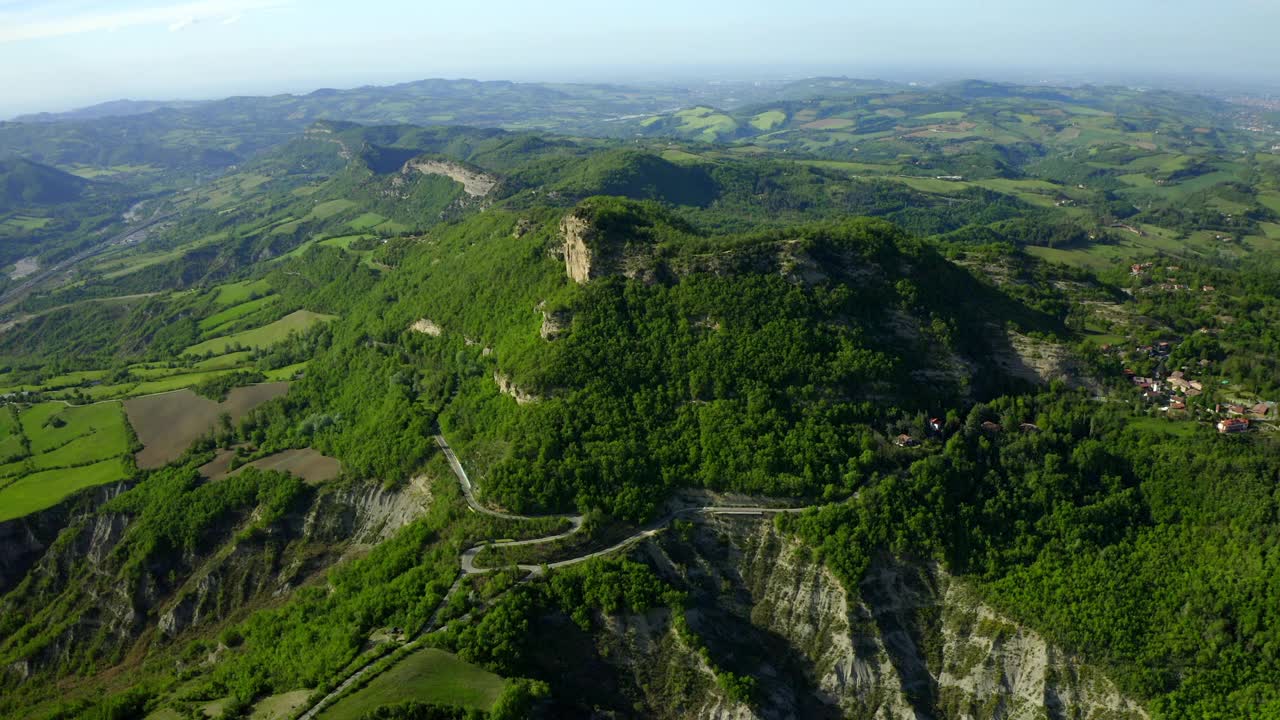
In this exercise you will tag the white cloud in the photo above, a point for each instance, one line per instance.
(232, 19)
(16, 28)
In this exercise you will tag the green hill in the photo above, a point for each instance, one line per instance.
(25, 184)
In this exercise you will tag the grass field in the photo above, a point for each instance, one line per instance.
(176, 382)
(828, 124)
(224, 362)
(45, 489)
(90, 172)
(1177, 428)
(10, 433)
(367, 221)
(279, 707)
(768, 120)
(429, 676)
(343, 241)
(264, 336)
(118, 264)
(709, 123)
(236, 293)
(287, 372)
(235, 312)
(326, 210)
(70, 448)
(26, 222)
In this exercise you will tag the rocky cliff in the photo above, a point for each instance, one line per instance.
(475, 183)
(578, 234)
(24, 540)
(101, 607)
(913, 642)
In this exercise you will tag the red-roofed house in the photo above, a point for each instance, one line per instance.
(1233, 425)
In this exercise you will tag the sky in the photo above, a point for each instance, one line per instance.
(60, 54)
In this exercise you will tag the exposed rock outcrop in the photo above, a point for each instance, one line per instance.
(105, 605)
(427, 327)
(506, 387)
(914, 642)
(554, 322)
(24, 540)
(349, 518)
(577, 233)
(474, 183)
(1041, 361)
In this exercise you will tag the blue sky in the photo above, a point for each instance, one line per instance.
(57, 54)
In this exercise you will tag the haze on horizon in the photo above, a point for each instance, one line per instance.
(60, 54)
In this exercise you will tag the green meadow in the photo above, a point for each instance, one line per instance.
(428, 676)
(262, 336)
(55, 449)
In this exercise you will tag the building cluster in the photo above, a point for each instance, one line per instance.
(1173, 391)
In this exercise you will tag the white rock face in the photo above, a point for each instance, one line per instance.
(913, 643)
(474, 183)
(506, 387)
(577, 256)
(426, 326)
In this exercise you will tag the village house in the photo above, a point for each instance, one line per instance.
(992, 427)
(905, 440)
(1027, 427)
(1233, 425)
(935, 425)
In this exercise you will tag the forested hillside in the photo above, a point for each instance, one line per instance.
(847, 400)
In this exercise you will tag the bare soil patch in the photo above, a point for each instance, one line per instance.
(24, 267)
(306, 463)
(167, 424)
(219, 466)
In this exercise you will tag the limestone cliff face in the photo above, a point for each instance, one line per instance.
(577, 231)
(506, 387)
(474, 183)
(555, 323)
(913, 643)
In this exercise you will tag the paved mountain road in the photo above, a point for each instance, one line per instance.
(467, 559)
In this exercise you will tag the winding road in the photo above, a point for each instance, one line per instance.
(467, 559)
(469, 556)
